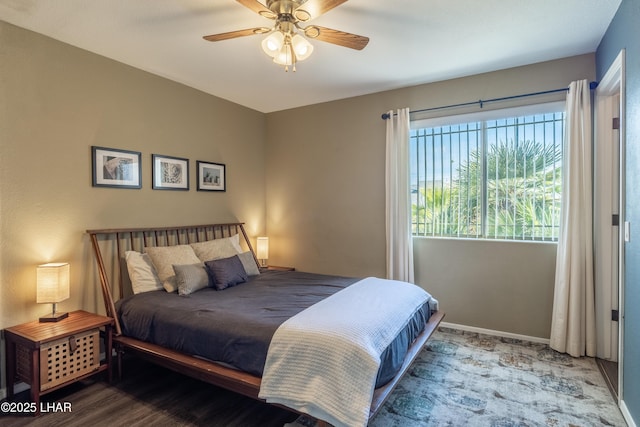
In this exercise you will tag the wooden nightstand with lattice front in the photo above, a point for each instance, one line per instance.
(51, 355)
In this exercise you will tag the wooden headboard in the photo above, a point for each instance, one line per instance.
(110, 245)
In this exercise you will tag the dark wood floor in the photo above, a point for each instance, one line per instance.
(149, 395)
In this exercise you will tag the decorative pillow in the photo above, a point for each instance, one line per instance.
(226, 272)
(191, 278)
(219, 248)
(141, 272)
(163, 259)
(249, 263)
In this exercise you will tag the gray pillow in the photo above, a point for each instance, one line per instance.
(226, 272)
(190, 278)
(163, 258)
(249, 263)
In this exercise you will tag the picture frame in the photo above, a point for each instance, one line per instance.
(169, 173)
(116, 168)
(211, 176)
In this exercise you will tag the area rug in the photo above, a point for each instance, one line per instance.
(470, 379)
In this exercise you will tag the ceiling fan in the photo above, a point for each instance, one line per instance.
(285, 44)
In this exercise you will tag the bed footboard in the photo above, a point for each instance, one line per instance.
(249, 385)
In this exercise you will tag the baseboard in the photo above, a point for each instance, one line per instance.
(494, 333)
(626, 414)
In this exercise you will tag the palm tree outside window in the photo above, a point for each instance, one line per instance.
(498, 178)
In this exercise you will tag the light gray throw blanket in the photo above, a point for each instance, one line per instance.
(324, 361)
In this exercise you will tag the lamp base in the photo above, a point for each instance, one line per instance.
(54, 317)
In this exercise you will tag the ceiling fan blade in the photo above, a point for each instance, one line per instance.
(258, 8)
(340, 38)
(234, 34)
(314, 8)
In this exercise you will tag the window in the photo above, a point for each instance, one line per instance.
(497, 176)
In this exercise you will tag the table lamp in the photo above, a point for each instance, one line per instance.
(53, 287)
(262, 251)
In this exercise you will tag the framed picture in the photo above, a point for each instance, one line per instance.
(116, 168)
(170, 173)
(211, 176)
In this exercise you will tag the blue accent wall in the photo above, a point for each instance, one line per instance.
(623, 33)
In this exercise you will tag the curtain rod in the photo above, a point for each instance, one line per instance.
(480, 102)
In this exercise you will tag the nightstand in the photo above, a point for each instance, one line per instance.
(48, 356)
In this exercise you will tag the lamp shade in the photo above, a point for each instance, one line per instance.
(285, 56)
(262, 250)
(273, 43)
(53, 282)
(301, 47)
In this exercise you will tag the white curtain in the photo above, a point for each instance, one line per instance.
(573, 319)
(398, 202)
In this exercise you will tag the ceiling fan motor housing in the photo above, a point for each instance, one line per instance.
(288, 10)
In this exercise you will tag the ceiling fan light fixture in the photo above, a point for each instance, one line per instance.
(273, 43)
(286, 49)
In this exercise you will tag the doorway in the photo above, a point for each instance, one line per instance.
(609, 222)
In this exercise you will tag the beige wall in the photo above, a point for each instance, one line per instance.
(501, 286)
(57, 101)
(325, 200)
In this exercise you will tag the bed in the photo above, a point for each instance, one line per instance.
(255, 323)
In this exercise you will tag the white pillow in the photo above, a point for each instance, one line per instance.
(141, 272)
(219, 248)
(163, 259)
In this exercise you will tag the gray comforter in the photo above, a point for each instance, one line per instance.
(235, 326)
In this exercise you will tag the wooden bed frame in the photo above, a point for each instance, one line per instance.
(115, 242)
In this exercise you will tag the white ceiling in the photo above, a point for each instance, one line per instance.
(411, 42)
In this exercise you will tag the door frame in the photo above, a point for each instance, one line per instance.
(613, 85)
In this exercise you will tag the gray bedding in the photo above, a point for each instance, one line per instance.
(235, 325)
